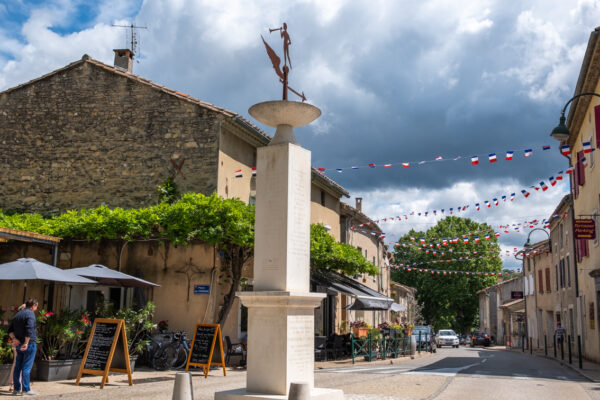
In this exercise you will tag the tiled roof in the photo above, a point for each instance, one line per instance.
(348, 209)
(13, 234)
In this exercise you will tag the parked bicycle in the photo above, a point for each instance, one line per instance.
(171, 354)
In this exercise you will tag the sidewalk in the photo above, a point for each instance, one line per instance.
(590, 370)
(149, 384)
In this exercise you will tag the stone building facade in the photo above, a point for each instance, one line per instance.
(90, 134)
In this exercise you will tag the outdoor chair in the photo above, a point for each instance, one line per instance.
(320, 348)
(235, 349)
(335, 346)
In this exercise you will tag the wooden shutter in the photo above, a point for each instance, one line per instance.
(541, 281)
(597, 122)
(548, 288)
(574, 181)
(581, 175)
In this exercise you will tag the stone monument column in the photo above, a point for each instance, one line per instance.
(281, 307)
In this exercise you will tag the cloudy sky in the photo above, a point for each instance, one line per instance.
(397, 81)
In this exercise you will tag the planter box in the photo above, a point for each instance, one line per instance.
(132, 360)
(57, 370)
(5, 374)
(360, 332)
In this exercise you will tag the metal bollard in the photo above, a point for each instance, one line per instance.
(569, 348)
(554, 346)
(523, 344)
(530, 346)
(545, 346)
(562, 350)
(299, 391)
(579, 351)
(419, 343)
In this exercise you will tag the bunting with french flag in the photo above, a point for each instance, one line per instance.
(253, 171)
(509, 155)
(238, 173)
(543, 186)
(474, 160)
(587, 147)
(405, 165)
(525, 193)
(492, 157)
(528, 152)
(565, 150)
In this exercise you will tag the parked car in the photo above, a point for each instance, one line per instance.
(480, 338)
(447, 337)
(426, 338)
(462, 339)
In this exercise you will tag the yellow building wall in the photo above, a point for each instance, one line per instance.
(327, 213)
(235, 154)
(588, 203)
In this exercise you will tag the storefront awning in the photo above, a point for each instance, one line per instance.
(364, 297)
(398, 307)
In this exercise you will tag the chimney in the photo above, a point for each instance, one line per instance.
(359, 203)
(124, 59)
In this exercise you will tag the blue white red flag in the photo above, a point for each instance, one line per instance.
(321, 169)
(438, 158)
(487, 203)
(238, 173)
(371, 165)
(503, 198)
(495, 201)
(565, 150)
(509, 155)
(584, 162)
(339, 170)
(569, 170)
(559, 176)
(387, 165)
(474, 160)
(546, 147)
(487, 237)
(528, 152)
(525, 193)
(587, 147)
(552, 181)
(253, 171)
(492, 157)
(512, 196)
(543, 185)
(477, 206)
(354, 167)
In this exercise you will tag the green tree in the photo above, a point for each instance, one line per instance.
(449, 300)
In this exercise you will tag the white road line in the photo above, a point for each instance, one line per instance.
(484, 360)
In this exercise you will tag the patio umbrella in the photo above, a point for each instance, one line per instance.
(110, 277)
(26, 269)
(32, 269)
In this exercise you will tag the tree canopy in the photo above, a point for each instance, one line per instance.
(449, 301)
(326, 253)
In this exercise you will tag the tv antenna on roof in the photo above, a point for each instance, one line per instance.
(134, 41)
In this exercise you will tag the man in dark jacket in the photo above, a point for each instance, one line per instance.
(23, 333)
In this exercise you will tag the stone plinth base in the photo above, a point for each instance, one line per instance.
(242, 394)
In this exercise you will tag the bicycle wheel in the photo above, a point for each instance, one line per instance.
(160, 361)
(181, 357)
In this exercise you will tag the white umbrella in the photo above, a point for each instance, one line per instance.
(110, 277)
(32, 269)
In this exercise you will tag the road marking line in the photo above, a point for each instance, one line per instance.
(484, 360)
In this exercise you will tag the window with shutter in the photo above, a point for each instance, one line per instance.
(581, 174)
(541, 281)
(548, 288)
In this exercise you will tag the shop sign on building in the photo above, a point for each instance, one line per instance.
(584, 229)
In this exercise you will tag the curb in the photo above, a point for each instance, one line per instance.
(387, 361)
(573, 367)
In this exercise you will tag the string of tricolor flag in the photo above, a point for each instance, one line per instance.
(447, 272)
(477, 206)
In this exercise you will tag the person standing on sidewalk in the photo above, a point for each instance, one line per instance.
(559, 334)
(23, 333)
(14, 348)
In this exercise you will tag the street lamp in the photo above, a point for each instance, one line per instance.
(528, 242)
(562, 134)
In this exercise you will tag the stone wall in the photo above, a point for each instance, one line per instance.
(86, 135)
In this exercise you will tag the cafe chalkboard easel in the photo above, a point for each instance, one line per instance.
(106, 351)
(202, 353)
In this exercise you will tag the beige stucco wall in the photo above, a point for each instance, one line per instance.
(327, 214)
(235, 154)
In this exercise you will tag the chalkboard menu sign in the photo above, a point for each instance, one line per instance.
(106, 350)
(203, 352)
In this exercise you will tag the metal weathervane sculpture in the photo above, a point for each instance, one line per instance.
(276, 61)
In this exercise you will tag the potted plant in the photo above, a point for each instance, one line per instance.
(138, 326)
(360, 329)
(6, 357)
(60, 344)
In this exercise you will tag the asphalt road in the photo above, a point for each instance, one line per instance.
(450, 374)
(463, 373)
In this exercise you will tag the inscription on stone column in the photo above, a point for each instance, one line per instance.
(300, 346)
